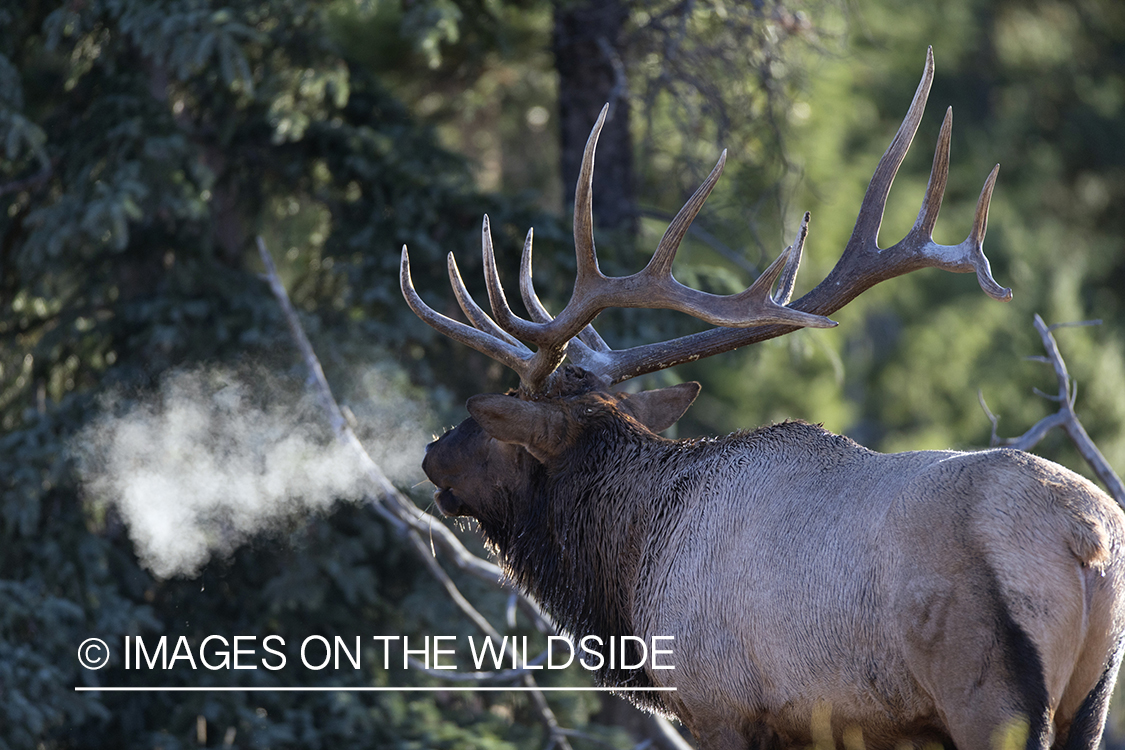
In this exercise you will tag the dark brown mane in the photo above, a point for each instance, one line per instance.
(574, 540)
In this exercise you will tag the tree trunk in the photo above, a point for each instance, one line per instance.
(587, 39)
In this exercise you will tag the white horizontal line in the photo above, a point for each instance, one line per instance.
(449, 688)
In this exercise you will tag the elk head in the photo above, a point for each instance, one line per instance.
(509, 438)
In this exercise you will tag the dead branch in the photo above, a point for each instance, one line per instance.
(499, 675)
(1065, 418)
(391, 503)
(402, 514)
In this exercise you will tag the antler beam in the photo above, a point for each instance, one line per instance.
(863, 264)
(653, 287)
(754, 315)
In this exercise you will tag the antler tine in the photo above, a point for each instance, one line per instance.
(862, 264)
(661, 263)
(966, 257)
(655, 287)
(587, 336)
(866, 231)
(760, 293)
(503, 314)
(976, 241)
(531, 301)
(591, 338)
(478, 317)
(939, 177)
(584, 251)
(785, 284)
(514, 356)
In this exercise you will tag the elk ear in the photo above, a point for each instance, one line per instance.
(660, 409)
(537, 427)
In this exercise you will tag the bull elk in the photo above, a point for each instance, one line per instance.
(926, 597)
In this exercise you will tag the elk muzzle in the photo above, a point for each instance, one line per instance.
(453, 463)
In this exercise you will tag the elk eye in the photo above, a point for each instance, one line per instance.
(589, 410)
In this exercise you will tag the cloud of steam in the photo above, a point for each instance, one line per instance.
(213, 456)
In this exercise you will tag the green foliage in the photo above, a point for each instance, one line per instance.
(911, 354)
(143, 145)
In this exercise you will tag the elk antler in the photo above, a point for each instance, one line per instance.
(653, 287)
(753, 315)
(863, 264)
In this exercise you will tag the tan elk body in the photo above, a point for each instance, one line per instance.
(882, 588)
(940, 597)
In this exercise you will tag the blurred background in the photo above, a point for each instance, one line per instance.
(163, 470)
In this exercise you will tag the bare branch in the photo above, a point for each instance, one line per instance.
(450, 587)
(1074, 324)
(501, 675)
(547, 716)
(402, 514)
(587, 737)
(994, 439)
(1031, 438)
(666, 734)
(1065, 418)
(390, 503)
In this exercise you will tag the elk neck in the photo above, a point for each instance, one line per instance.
(581, 533)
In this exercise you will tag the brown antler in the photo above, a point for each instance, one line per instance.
(863, 264)
(653, 287)
(753, 315)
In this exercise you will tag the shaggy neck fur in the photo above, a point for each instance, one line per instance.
(575, 536)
